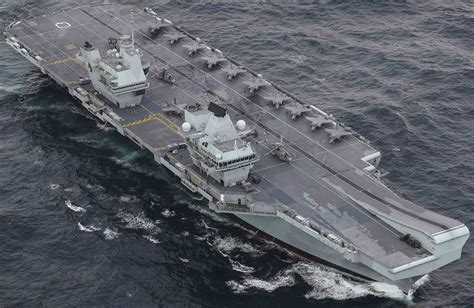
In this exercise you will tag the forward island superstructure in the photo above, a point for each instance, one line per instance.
(252, 149)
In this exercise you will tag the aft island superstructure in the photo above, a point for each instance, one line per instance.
(252, 149)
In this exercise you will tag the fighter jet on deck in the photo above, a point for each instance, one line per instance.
(174, 37)
(336, 134)
(277, 99)
(297, 110)
(318, 121)
(278, 149)
(193, 47)
(233, 71)
(157, 28)
(213, 60)
(255, 84)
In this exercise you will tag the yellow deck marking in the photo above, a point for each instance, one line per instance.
(156, 116)
(159, 149)
(61, 61)
(151, 117)
(70, 46)
(170, 124)
(165, 121)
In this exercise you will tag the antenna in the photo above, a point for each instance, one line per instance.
(132, 23)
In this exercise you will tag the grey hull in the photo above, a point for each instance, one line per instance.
(302, 242)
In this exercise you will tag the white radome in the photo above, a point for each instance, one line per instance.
(186, 127)
(241, 124)
(218, 156)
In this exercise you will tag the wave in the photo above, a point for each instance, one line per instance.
(325, 283)
(168, 213)
(87, 228)
(14, 88)
(73, 207)
(105, 127)
(151, 239)
(128, 199)
(420, 282)
(110, 234)
(54, 186)
(139, 222)
(281, 279)
(239, 267)
(228, 244)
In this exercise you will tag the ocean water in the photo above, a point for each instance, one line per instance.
(87, 219)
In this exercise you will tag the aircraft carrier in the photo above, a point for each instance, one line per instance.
(252, 149)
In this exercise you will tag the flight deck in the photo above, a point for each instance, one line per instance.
(331, 180)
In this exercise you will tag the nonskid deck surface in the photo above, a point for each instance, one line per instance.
(325, 182)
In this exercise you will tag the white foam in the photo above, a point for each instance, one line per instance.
(69, 189)
(128, 199)
(53, 186)
(138, 222)
(239, 267)
(325, 283)
(227, 244)
(152, 239)
(184, 260)
(87, 228)
(94, 187)
(168, 213)
(328, 283)
(73, 207)
(420, 282)
(281, 279)
(110, 234)
(206, 226)
(185, 233)
(15, 88)
(388, 290)
(104, 127)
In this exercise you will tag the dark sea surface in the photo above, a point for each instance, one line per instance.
(400, 73)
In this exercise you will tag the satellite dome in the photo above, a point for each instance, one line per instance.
(186, 127)
(241, 124)
(218, 156)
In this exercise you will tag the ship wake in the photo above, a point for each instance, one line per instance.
(324, 283)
